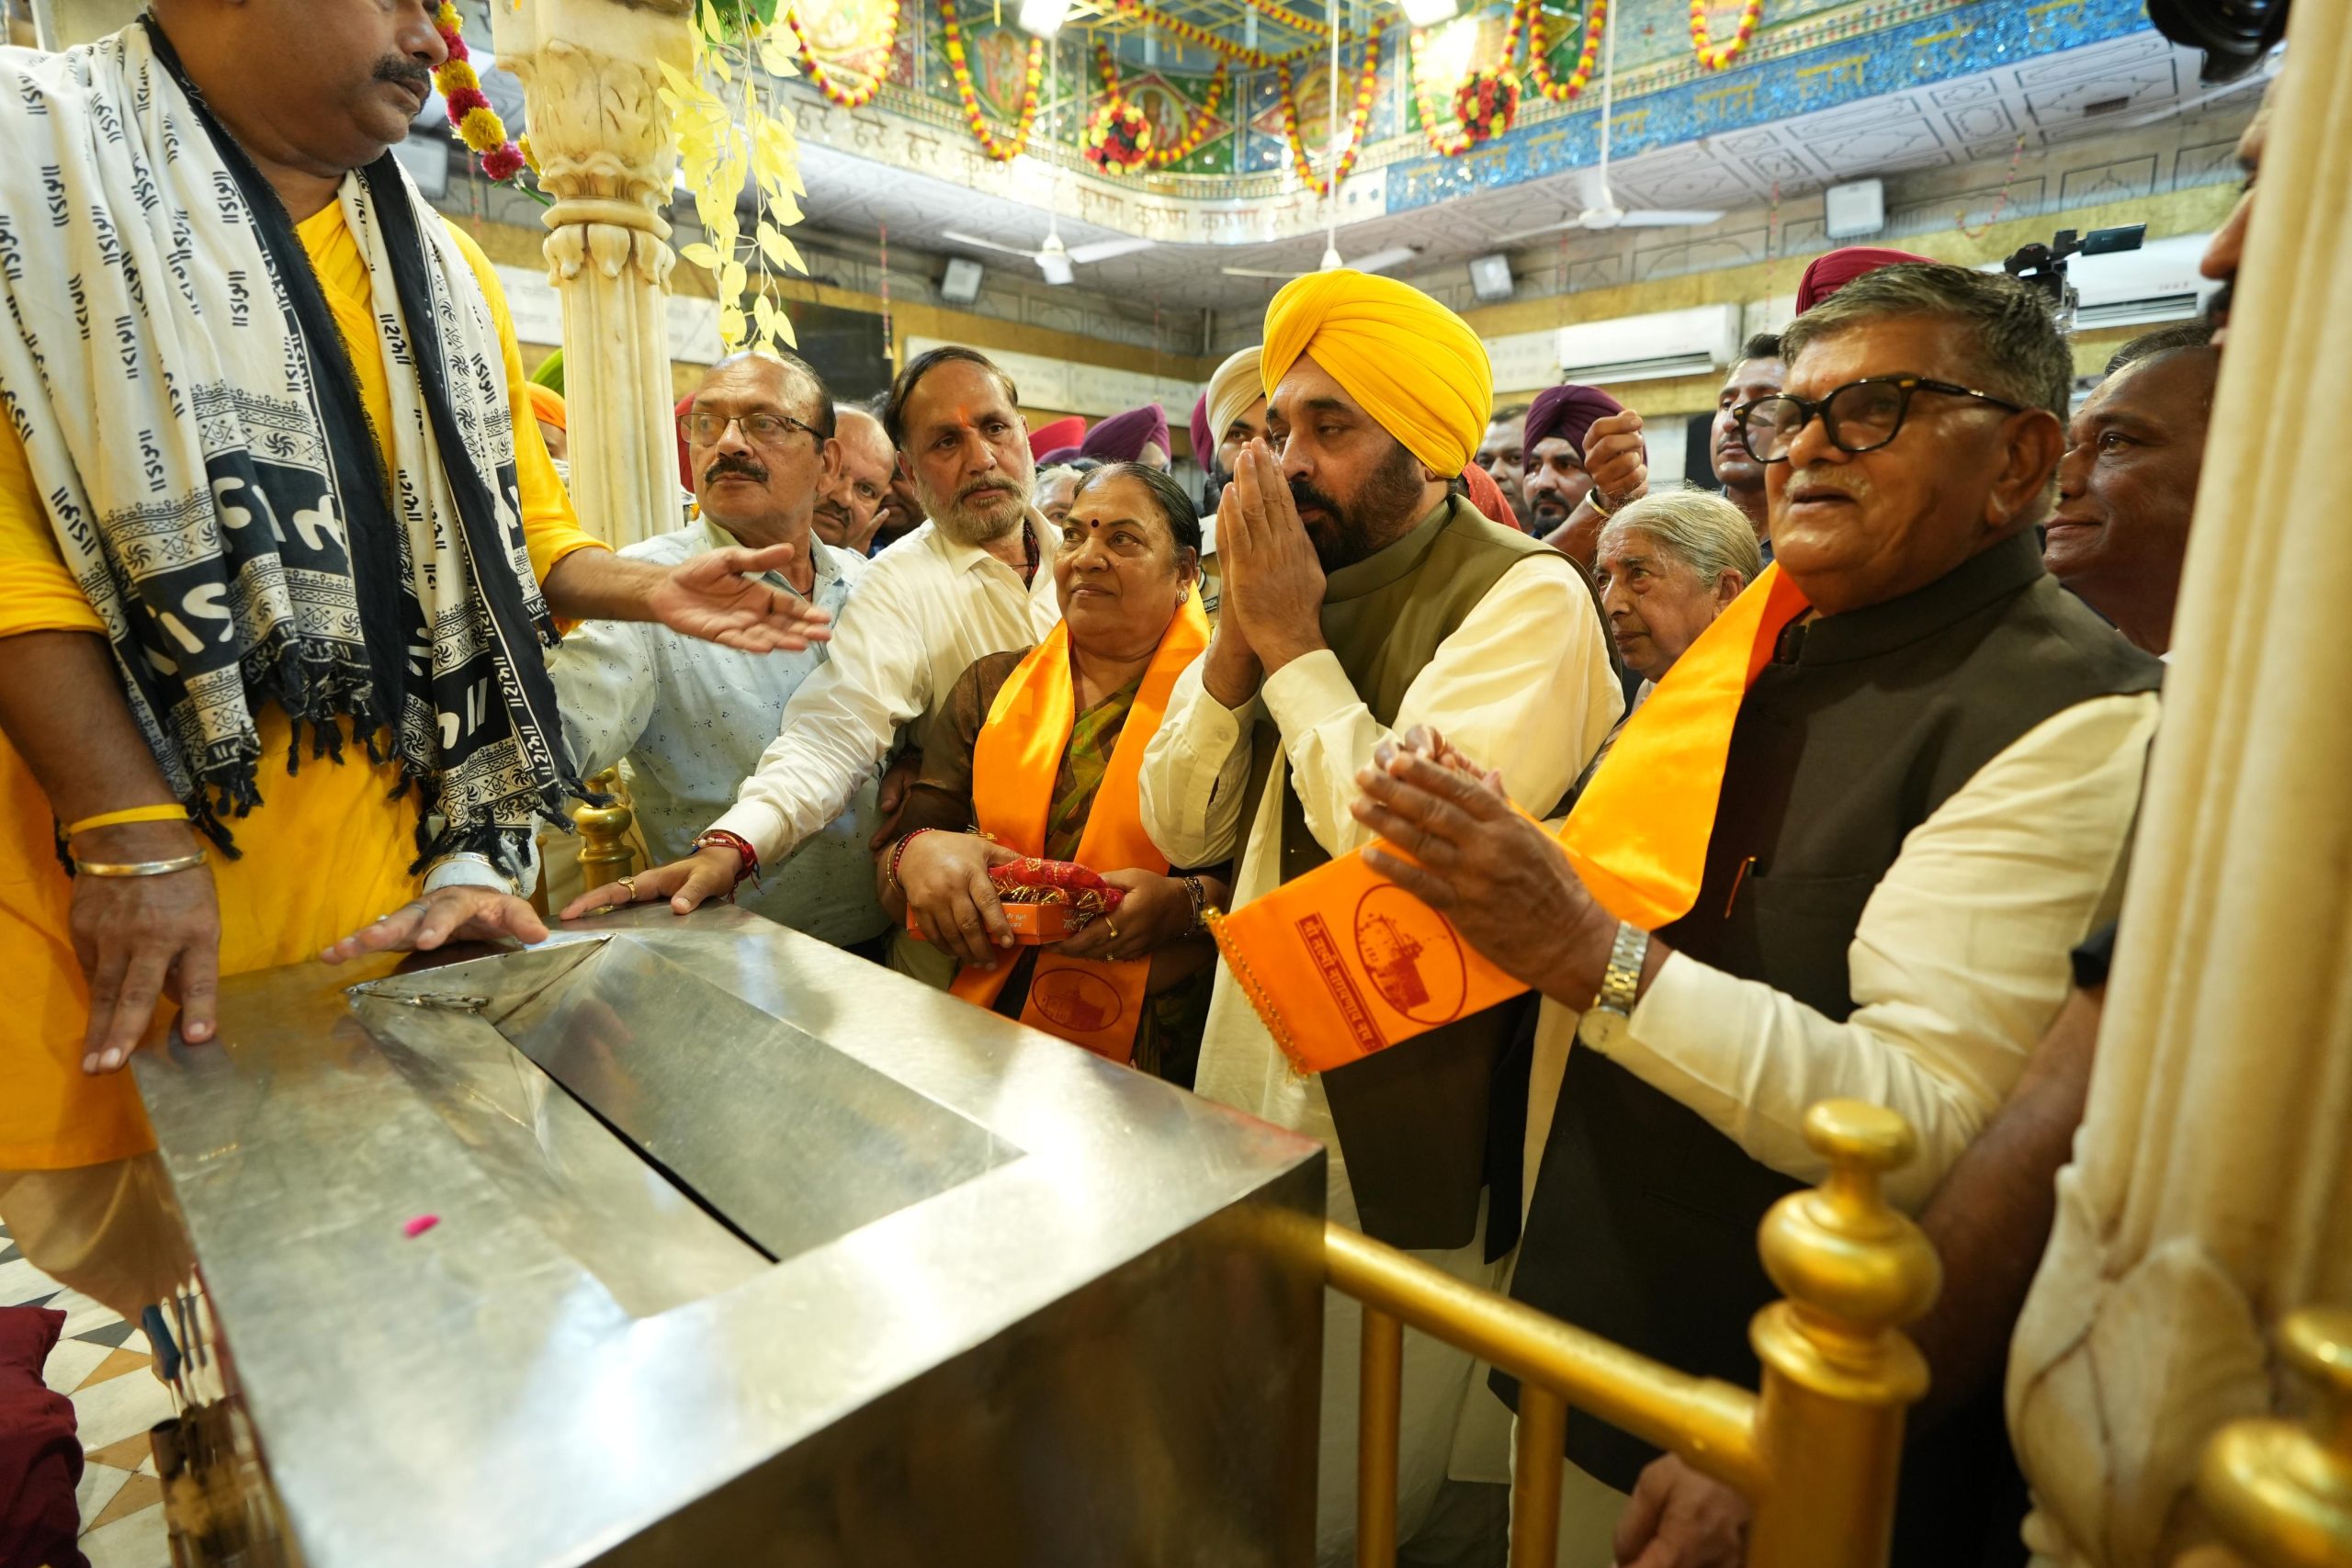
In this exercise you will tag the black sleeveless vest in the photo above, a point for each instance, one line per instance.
(1643, 1226)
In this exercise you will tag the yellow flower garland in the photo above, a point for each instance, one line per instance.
(1711, 56)
(1195, 131)
(1001, 149)
(827, 83)
(1358, 116)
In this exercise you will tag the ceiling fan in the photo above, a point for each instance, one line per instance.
(1379, 260)
(1600, 210)
(1054, 258)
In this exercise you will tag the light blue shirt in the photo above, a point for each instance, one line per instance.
(687, 720)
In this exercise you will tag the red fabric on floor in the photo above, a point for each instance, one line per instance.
(41, 1458)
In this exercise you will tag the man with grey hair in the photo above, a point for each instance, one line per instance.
(1927, 787)
(963, 585)
(849, 506)
(687, 721)
(1665, 567)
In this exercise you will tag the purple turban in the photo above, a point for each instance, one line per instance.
(1057, 456)
(1121, 438)
(1203, 441)
(1566, 412)
(1828, 274)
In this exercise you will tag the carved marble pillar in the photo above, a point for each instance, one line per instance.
(591, 74)
(2211, 1194)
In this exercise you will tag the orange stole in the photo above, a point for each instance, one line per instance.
(1343, 963)
(1097, 1005)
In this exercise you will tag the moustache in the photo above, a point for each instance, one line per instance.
(1304, 497)
(404, 73)
(984, 486)
(742, 466)
(1852, 486)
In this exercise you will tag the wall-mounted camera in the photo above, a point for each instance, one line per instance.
(2044, 267)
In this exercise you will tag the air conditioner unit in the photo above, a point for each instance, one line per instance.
(2159, 282)
(1651, 347)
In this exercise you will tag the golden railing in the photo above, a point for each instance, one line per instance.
(1814, 1453)
(2281, 1491)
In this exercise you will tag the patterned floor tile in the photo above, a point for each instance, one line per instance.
(116, 1362)
(20, 1283)
(125, 1453)
(114, 1334)
(84, 1316)
(136, 1541)
(71, 1363)
(99, 1484)
(120, 1408)
(138, 1495)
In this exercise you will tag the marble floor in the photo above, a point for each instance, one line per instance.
(102, 1364)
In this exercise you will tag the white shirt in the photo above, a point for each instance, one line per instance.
(926, 608)
(1523, 684)
(1958, 964)
(687, 719)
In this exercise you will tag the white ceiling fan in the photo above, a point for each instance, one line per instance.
(1600, 210)
(1054, 258)
(1379, 260)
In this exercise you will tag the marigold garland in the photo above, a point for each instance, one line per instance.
(1000, 149)
(472, 119)
(827, 82)
(1714, 56)
(1539, 51)
(1485, 103)
(1197, 129)
(1117, 137)
(1359, 116)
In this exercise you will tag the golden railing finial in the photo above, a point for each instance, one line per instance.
(604, 852)
(1853, 1269)
(2281, 1491)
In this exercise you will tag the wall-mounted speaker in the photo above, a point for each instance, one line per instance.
(1490, 277)
(1850, 211)
(961, 285)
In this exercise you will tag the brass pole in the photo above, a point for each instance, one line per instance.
(1837, 1371)
(1382, 1400)
(1708, 1422)
(604, 853)
(2281, 1491)
(1535, 1477)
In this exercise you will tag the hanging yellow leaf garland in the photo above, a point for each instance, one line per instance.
(1001, 149)
(1195, 131)
(731, 130)
(1359, 115)
(1539, 51)
(819, 74)
(1712, 55)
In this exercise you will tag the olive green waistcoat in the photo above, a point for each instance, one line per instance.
(1412, 1119)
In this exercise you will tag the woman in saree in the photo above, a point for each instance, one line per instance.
(1036, 756)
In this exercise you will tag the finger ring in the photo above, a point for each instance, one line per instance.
(630, 882)
(1112, 926)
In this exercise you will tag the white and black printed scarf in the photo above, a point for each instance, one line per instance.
(196, 434)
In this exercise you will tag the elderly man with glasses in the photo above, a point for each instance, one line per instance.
(1930, 756)
(687, 721)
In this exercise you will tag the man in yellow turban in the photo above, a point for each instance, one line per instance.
(1363, 594)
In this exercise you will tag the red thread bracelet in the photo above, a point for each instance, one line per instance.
(748, 865)
(900, 853)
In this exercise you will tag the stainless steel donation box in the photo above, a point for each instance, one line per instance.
(698, 1241)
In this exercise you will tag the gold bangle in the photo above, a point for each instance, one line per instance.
(140, 868)
(1593, 499)
(174, 812)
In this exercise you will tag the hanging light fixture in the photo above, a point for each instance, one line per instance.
(1043, 18)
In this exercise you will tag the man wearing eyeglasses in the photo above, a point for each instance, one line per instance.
(689, 719)
(1924, 800)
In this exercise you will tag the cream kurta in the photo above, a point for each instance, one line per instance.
(1524, 686)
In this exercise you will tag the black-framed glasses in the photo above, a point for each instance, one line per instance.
(705, 426)
(1860, 416)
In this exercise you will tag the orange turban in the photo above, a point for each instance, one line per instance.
(547, 406)
(1412, 363)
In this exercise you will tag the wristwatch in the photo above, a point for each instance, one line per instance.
(1612, 1013)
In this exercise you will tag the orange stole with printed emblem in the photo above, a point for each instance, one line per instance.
(1342, 962)
(1015, 761)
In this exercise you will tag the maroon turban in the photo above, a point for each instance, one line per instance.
(1203, 441)
(1828, 274)
(1062, 433)
(1566, 412)
(1121, 438)
(1487, 497)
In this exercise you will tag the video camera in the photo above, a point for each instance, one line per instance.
(2044, 267)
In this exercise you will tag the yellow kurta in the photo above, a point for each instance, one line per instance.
(326, 851)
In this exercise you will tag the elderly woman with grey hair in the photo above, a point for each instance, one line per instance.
(1666, 566)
